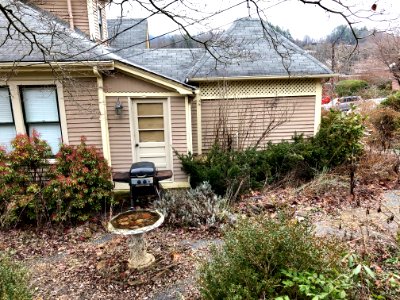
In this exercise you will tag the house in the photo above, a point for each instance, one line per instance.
(59, 76)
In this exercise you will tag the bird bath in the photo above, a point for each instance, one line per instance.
(135, 223)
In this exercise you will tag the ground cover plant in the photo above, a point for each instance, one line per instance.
(13, 280)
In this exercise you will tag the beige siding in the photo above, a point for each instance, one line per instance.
(246, 119)
(82, 111)
(119, 82)
(194, 126)
(179, 138)
(120, 135)
(60, 9)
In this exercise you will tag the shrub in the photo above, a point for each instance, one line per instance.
(386, 124)
(350, 87)
(24, 172)
(195, 207)
(393, 102)
(13, 280)
(337, 142)
(82, 182)
(338, 139)
(250, 263)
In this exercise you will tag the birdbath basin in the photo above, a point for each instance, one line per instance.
(135, 223)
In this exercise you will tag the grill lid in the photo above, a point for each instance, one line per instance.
(143, 169)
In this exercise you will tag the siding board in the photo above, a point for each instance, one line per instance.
(82, 111)
(246, 119)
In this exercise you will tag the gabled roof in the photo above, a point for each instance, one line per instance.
(45, 38)
(251, 47)
(173, 63)
(127, 33)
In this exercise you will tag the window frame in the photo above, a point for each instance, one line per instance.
(11, 108)
(28, 124)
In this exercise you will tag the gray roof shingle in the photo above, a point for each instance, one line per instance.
(127, 33)
(173, 63)
(252, 48)
(43, 37)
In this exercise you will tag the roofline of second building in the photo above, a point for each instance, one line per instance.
(204, 79)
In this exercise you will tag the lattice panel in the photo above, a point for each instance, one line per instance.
(258, 88)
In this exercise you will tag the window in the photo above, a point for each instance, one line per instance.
(7, 125)
(100, 16)
(40, 108)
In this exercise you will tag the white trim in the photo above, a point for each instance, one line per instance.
(131, 127)
(63, 114)
(200, 79)
(199, 130)
(188, 108)
(105, 135)
(171, 152)
(317, 112)
(92, 30)
(17, 108)
(17, 104)
(157, 79)
(256, 96)
(142, 94)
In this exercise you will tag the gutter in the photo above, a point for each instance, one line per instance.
(105, 135)
(203, 79)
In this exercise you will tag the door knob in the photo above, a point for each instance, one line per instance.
(136, 145)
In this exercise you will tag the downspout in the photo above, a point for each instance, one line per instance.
(105, 136)
(70, 15)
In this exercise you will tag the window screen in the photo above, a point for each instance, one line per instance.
(41, 114)
(7, 126)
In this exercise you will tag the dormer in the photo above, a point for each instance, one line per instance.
(89, 18)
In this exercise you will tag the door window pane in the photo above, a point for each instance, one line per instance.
(150, 109)
(151, 123)
(151, 136)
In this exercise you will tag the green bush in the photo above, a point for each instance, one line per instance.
(251, 262)
(393, 102)
(350, 87)
(337, 141)
(82, 183)
(13, 280)
(23, 176)
(33, 190)
(386, 125)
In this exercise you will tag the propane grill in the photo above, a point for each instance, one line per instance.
(143, 179)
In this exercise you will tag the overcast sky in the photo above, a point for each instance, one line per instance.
(300, 19)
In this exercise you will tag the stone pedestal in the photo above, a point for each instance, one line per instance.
(139, 258)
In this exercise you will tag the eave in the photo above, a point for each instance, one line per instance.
(203, 79)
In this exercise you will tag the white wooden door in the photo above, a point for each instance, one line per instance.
(151, 132)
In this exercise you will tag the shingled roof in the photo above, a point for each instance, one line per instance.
(43, 37)
(252, 48)
(248, 48)
(127, 33)
(173, 63)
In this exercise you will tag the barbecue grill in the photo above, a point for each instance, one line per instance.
(143, 179)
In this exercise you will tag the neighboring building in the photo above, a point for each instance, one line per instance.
(66, 84)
